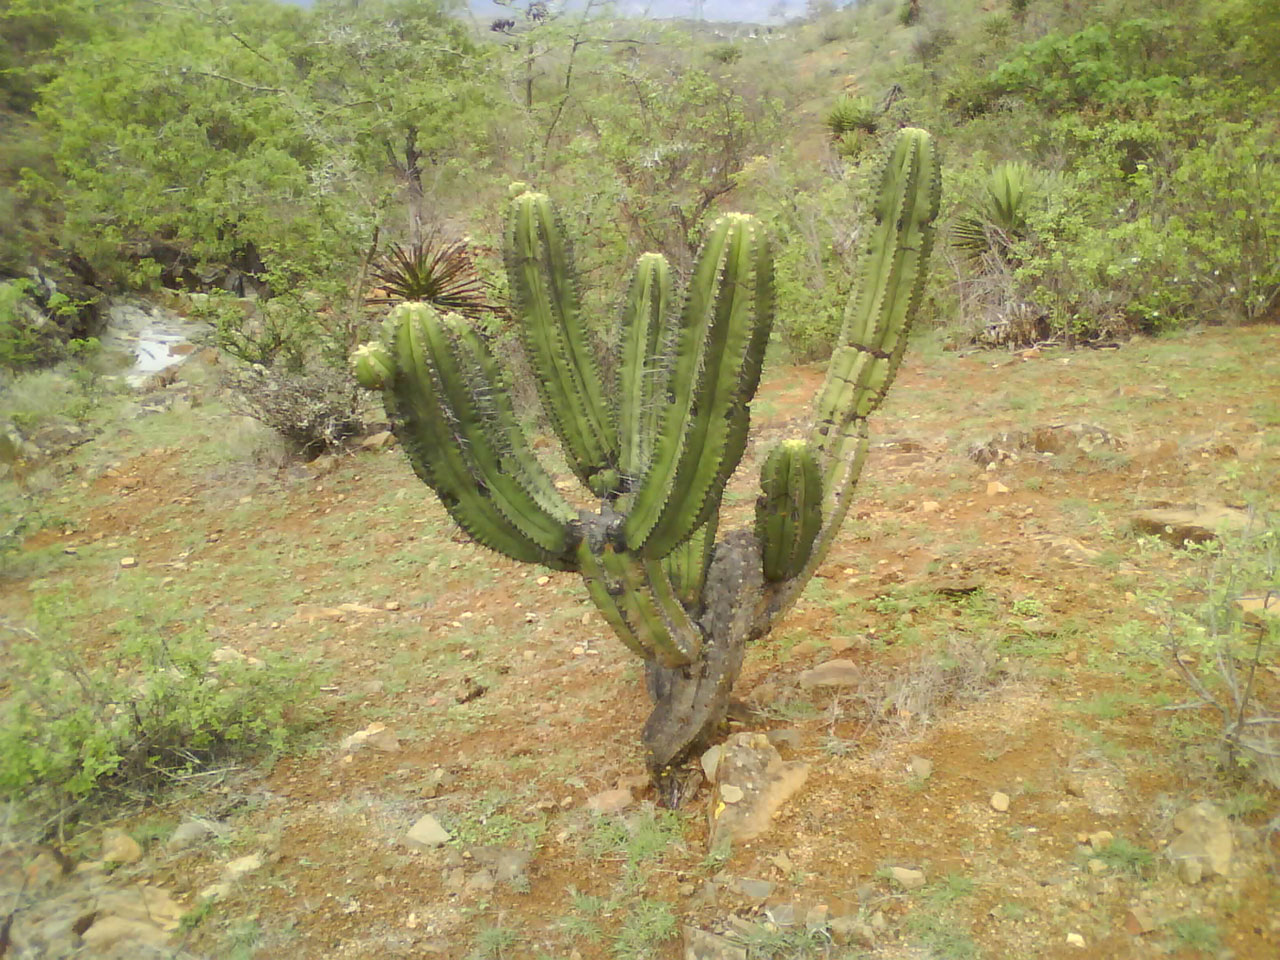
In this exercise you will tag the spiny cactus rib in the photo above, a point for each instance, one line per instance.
(889, 287)
(789, 509)
(606, 595)
(652, 609)
(501, 440)
(642, 368)
(540, 269)
(687, 564)
(718, 352)
(458, 452)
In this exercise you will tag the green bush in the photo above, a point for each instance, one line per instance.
(1192, 234)
(155, 706)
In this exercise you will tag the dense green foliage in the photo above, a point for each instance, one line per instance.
(247, 146)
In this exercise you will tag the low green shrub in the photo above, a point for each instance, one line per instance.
(155, 706)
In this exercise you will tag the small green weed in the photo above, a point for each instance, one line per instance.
(1195, 933)
(648, 924)
(941, 935)
(1125, 856)
(763, 943)
(953, 887)
(494, 943)
(242, 939)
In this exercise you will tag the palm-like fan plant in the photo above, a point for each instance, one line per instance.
(435, 272)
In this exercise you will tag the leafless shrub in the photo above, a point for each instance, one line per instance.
(314, 410)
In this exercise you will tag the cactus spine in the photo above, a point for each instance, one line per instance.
(659, 447)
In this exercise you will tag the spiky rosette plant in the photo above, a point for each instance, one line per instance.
(658, 444)
(432, 271)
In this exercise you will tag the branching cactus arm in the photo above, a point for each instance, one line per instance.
(540, 271)
(889, 287)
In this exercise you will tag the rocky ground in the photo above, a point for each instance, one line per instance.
(970, 739)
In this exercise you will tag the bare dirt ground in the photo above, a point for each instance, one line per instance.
(1006, 620)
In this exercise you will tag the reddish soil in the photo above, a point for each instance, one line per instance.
(995, 626)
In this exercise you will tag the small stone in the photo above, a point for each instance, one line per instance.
(542, 581)
(242, 866)
(833, 673)
(754, 889)
(128, 563)
(999, 802)
(188, 833)
(214, 891)
(1205, 839)
(704, 945)
(782, 862)
(1075, 940)
(921, 768)
(119, 847)
(1138, 921)
(426, 833)
(1103, 838)
(610, 801)
(730, 794)
(111, 930)
(711, 761)
(1097, 867)
(879, 922)
(817, 916)
(376, 735)
(930, 506)
(846, 930)
(995, 488)
(908, 879)
(391, 606)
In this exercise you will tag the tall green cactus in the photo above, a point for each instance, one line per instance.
(658, 445)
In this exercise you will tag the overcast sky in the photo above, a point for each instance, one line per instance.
(743, 11)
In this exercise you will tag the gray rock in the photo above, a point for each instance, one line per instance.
(833, 673)
(188, 833)
(908, 879)
(852, 930)
(704, 945)
(753, 889)
(921, 768)
(783, 914)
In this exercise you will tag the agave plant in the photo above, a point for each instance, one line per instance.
(999, 218)
(435, 272)
(657, 444)
(852, 114)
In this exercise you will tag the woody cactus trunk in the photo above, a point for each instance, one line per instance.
(657, 445)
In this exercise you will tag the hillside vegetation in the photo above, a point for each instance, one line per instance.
(1111, 166)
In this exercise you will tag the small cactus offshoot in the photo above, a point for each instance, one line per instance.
(657, 444)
